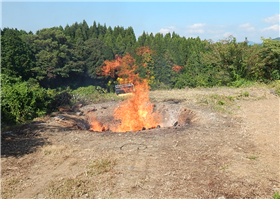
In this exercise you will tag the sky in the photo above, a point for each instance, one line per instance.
(213, 20)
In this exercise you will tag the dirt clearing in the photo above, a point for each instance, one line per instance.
(214, 143)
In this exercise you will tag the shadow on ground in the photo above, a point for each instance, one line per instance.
(25, 139)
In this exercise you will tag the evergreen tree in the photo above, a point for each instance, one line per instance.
(16, 56)
(85, 30)
(79, 35)
(54, 56)
(120, 45)
(142, 39)
(129, 39)
(108, 38)
(93, 31)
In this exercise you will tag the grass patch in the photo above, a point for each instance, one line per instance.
(276, 87)
(223, 168)
(8, 188)
(101, 166)
(47, 152)
(276, 195)
(252, 157)
(70, 188)
(220, 103)
(243, 94)
(92, 94)
(223, 103)
(85, 185)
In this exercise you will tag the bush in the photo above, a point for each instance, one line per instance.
(84, 91)
(91, 94)
(22, 100)
(60, 99)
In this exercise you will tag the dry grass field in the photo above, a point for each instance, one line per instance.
(226, 145)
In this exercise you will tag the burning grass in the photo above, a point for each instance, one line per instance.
(137, 111)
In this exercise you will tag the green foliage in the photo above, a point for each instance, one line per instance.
(276, 195)
(275, 86)
(241, 83)
(197, 74)
(226, 56)
(95, 53)
(53, 53)
(85, 91)
(72, 56)
(239, 62)
(22, 100)
(244, 94)
(269, 60)
(16, 56)
(92, 94)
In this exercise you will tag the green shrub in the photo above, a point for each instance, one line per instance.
(22, 100)
(91, 94)
(85, 90)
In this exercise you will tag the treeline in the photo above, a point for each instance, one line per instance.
(72, 56)
(56, 58)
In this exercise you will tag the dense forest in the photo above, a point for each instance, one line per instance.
(37, 69)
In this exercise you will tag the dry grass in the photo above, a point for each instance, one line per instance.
(98, 175)
(9, 187)
(100, 166)
(70, 188)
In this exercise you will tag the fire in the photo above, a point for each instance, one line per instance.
(137, 111)
(95, 125)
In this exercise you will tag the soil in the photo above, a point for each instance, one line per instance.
(198, 151)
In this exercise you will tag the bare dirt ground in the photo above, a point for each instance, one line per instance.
(226, 145)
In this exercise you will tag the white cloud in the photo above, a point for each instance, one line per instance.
(196, 28)
(164, 30)
(247, 27)
(274, 19)
(275, 27)
(197, 25)
(167, 30)
(195, 31)
(227, 34)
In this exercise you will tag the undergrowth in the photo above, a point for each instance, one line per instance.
(92, 94)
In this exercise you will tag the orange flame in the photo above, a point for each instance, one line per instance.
(95, 125)
(137, 111)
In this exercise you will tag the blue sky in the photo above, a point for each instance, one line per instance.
(208, 20)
